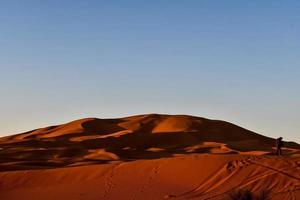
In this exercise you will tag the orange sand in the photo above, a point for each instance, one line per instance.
(144, 157)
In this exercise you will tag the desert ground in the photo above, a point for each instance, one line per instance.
(145, 157)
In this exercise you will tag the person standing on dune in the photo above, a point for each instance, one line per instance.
(279, 144)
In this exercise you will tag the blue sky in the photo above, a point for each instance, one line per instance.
(232, 60)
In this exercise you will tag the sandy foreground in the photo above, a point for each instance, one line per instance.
(182, 177)
(145, 157)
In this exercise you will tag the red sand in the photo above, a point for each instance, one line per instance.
(144, 157)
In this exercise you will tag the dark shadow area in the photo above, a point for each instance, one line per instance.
(60, 151)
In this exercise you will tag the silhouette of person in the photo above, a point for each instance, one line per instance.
(279, 144)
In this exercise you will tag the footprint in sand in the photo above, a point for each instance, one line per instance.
(232, 165)
(153, 173)
(109, 185)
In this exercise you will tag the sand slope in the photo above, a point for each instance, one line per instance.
(144, 157)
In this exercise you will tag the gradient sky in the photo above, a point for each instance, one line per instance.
(238, 61)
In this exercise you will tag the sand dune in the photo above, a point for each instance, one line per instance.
(145, 157)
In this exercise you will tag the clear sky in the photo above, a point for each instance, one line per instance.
(238, 61)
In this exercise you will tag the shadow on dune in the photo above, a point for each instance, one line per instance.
(51, 153)
(147, 137)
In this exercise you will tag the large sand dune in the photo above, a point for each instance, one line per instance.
(145, 157)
